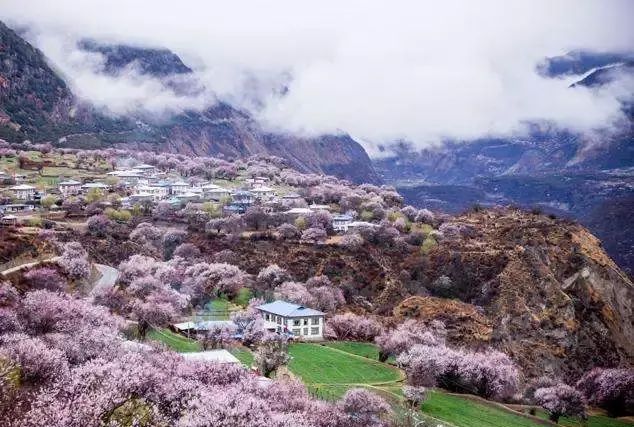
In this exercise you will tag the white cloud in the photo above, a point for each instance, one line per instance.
(380, 70)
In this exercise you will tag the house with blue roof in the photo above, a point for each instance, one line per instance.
(284, 317)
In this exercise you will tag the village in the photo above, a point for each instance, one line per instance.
(292, 283)
(143, 187)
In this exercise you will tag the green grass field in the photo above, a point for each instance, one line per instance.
(593, 421)
(244, 355)
(466, 413)
(365, 349)
(316, 364)
(174, 341)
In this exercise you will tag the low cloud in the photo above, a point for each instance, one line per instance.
(382, 71)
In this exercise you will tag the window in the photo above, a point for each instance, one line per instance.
(279, 320)
(296, 332)
(305, 331)
(305, 322)
(315, 321)
(314, 331)
(296, 322)
(267, 317)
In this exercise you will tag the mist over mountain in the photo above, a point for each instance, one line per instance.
(479, 118)
(37, 104)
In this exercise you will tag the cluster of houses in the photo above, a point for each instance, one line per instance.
(145, 185)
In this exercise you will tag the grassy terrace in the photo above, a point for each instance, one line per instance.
(174, 341)
(365, 349)
(316, 364)
(329, 370)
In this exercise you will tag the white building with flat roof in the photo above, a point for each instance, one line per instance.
(69, 187)
(23, 191)
(283, 317)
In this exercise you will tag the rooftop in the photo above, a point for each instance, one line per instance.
(216, 356)
(299, 211)
(23, 187)
(95, 185)
(203, 325)
(70, 182)
(288, 309)
(262, 189)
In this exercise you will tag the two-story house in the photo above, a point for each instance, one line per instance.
(285, 317)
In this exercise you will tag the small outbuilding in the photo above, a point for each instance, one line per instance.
(212, 356)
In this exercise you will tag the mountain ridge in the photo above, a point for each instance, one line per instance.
(36, 104)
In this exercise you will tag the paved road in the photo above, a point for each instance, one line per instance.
(109, 276)
(27, 265)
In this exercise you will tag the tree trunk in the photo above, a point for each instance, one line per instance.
(554, 418)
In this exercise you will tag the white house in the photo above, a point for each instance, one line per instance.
(341, 222)
(303, 322)
(214, 192)
(145, 169)
(69, 187)
(94, 185)
(317, 207)
(180, 187)
(243, 197)
(355, 225)
(299, 211)
(24, 191)
(158, 192)
(263, 192)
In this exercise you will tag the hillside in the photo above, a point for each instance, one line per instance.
(36, 104)
(542, 290)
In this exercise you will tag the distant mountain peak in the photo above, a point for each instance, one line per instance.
(157, 62)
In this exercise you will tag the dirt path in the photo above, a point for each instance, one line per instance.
(28, 265)
(109, 276)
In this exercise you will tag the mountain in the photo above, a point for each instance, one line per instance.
(590, 179)
(37, 104)
(156, 62)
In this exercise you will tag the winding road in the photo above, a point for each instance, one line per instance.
(109, 276)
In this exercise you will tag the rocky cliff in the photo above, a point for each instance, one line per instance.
(541, 289)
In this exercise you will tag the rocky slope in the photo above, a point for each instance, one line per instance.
(541, 289)
(36, 104)
(556, 301)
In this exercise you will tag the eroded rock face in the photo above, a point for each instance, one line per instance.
(541, 289)
(557, 303)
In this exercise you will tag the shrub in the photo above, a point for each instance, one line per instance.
(313, 235)
(352, 241)
(74, 261)
(407, 334)
(414, 396)
(610, 389)
(272, 276)
(271, 353)
(561, 400)
(98, 225)
(288, 232)
(364, 409)
(490, 374)
(294, 292)
(350, 326)
(187, 251)
(45, 278)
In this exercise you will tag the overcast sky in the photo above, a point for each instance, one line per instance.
(380, 70)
